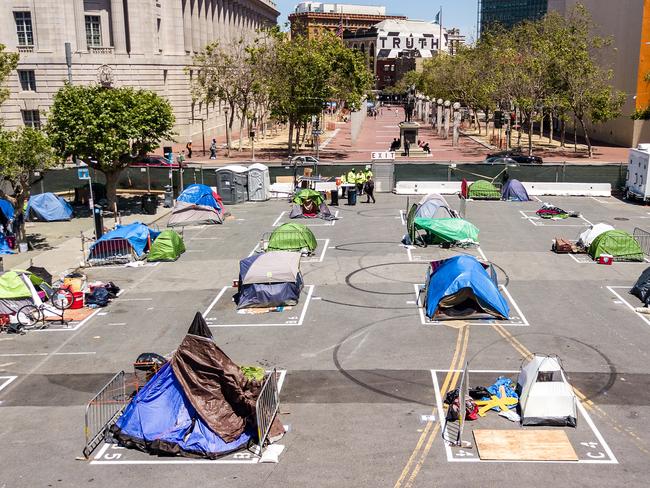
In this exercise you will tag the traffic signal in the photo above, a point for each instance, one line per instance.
(498, 119)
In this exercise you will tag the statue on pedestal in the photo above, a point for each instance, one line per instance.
(409, 104)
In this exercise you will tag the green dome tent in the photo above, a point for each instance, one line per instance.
(168, 246)
(302, 196)
(292, 237)
(617, 243)
(483, 190)
(448, 231)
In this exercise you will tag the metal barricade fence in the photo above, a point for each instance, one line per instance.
(111, 251)
(643, 238)
(267, 406)
(103, 410)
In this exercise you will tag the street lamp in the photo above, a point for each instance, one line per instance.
(456, 123)
(447, 115)
(439, 116)
(226, 111)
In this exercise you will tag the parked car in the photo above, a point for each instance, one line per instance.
(153, 161)
(300, 161)
(516, 156)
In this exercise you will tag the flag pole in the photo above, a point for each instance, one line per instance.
(440, 38)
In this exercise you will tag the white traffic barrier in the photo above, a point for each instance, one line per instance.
(533, 188)
(568, 189)
(427, 187)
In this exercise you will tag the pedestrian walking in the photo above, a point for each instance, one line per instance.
(188, 146)
(370, 190)
(407, 148)
(213, 149)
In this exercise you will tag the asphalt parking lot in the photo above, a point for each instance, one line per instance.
(363, 374)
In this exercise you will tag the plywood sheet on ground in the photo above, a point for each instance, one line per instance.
(524, 445)
(73, 315)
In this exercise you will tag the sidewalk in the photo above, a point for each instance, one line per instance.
(60, 251)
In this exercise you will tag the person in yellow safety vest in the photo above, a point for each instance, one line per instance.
(343, 182)
(368, 174)
(352, 176)
(360, 180)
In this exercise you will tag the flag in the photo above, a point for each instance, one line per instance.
(438, 16)
(339, 30)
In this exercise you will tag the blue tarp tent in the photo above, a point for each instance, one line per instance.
(514, 191)
(461, 286)
(48, 207)
(201, 195)
(198, 404)
(271, 279)
(138, 235)
(7, 209)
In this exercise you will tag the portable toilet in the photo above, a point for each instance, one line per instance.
(232, 184)
(259, 183)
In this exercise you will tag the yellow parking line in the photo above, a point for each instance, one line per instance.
(428, 432)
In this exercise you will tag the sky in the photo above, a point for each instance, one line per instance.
(455, 13)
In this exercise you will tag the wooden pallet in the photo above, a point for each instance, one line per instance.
(524, 445)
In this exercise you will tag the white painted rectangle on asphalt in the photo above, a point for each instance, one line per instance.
(593, 450)
(308, 222)
(517, 318)
(323, 244)
(537, 221)
(613, 291)
(57, 327)
(115, 455)
(293, 320)
(5, 381)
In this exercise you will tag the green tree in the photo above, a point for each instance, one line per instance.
(22, 153)
(108, 127)
(308, 72)
(8, 63)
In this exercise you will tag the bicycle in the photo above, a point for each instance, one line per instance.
(30, 315)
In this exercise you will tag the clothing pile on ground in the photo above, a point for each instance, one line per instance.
(551, 212)
(100, 294)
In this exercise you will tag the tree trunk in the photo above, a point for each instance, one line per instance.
(530, 134)
(541, 125)
(241, 133)
(584, 129)
(298, 127)
(575, 135)
(111, 187)
(550, 129)
(290, 136)
(563, 136)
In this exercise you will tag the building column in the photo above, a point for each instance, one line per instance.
(209, 20)
(80, 25)
(228, 9)
(138, 31)
(217, 27)
(203, 19)
(118, 26)
(196, 29)
(187, 26)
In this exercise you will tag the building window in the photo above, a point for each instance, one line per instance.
(93, 31)
(27, 80)
(32, 118)
(24, 28)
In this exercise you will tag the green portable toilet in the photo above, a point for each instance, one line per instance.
(292, 237)
(168, 246)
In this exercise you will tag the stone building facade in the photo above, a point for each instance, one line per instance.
(311, 18)
(141, 43)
